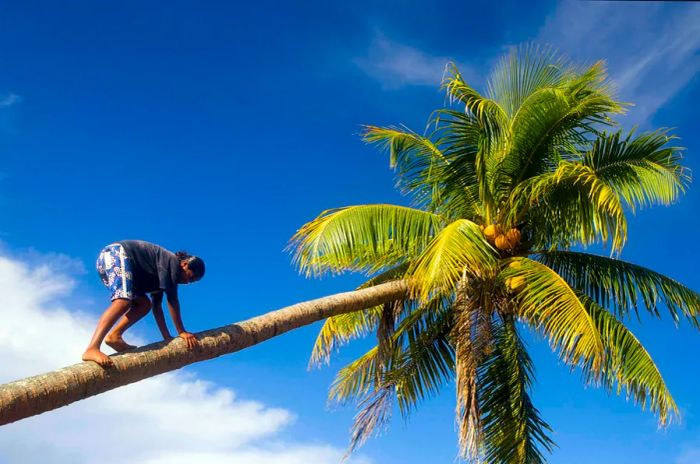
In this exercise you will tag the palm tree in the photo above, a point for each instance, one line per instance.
(508, 187)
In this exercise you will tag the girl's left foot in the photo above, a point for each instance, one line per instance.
(118, 344)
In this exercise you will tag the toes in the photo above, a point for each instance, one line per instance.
(99, 358)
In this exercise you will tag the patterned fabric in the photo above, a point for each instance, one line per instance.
(114, 267)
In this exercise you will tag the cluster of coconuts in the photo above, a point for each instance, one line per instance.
(502, 240)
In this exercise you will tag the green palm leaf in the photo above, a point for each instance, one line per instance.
(641, 170)
(554, 121)
(523, 71)
(490, 115)
(419, 364)
(545, 301)
(570, 204)
(365, 238)
(357, 379)
(459, 248)
(460, 135)
(628, 366)
(417, 160)
(514, 432)
(623, 286)
(338, 330)
(426, 361)
(492, 123)
(365, 374)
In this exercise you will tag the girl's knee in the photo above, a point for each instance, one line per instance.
(121, 304)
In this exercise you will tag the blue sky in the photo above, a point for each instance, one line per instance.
(222, 127)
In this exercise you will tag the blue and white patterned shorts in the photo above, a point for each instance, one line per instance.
(114, 268)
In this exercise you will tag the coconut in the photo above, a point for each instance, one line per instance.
(515, 283)
(502, 242)
(513, 236)
(491, 231)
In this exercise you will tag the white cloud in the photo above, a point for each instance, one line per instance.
(651, 47)
(396, 65)
(298, 455)
(171, 418)
(9, 100)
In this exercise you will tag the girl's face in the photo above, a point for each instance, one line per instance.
(186, 274)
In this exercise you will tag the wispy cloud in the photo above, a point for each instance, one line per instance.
(652, 48)
(9, 100)
(172, 418)
(397, 65)
(690, 455)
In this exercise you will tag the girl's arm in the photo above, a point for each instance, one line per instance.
(158, 314)
(174, 307)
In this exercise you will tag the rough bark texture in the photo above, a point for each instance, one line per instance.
(35, 395)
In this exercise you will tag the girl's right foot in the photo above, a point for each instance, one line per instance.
(93, 354)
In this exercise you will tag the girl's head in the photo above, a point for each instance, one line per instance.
(191, 267)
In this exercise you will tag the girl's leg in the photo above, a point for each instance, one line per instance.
(140, 307)
(107, 320)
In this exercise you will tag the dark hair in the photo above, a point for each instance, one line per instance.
(194, 263)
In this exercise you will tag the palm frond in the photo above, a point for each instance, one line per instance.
(513, 430)
(622, 286)
(460, 135)
(365, 373)
(364, 238)
(426, 361)
(570, 205)
(556, 120)
(488, 112)
(457, 249)
(357, 379)
(629, 366)
(545, 301)
(417, 160)
(523, 71)
(492, 122)
(338, 330)
(395, 273)
(374, 414)
(642, 170)
(419, 362)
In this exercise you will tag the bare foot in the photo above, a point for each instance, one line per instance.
(118, 344)
(93, 354)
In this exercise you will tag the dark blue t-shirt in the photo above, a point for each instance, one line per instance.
(153, 267)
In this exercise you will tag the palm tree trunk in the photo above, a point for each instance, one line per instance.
(35, 395)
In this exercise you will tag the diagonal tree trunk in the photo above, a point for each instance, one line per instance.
(35, 395)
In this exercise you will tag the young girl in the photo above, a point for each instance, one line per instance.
(130, 269)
